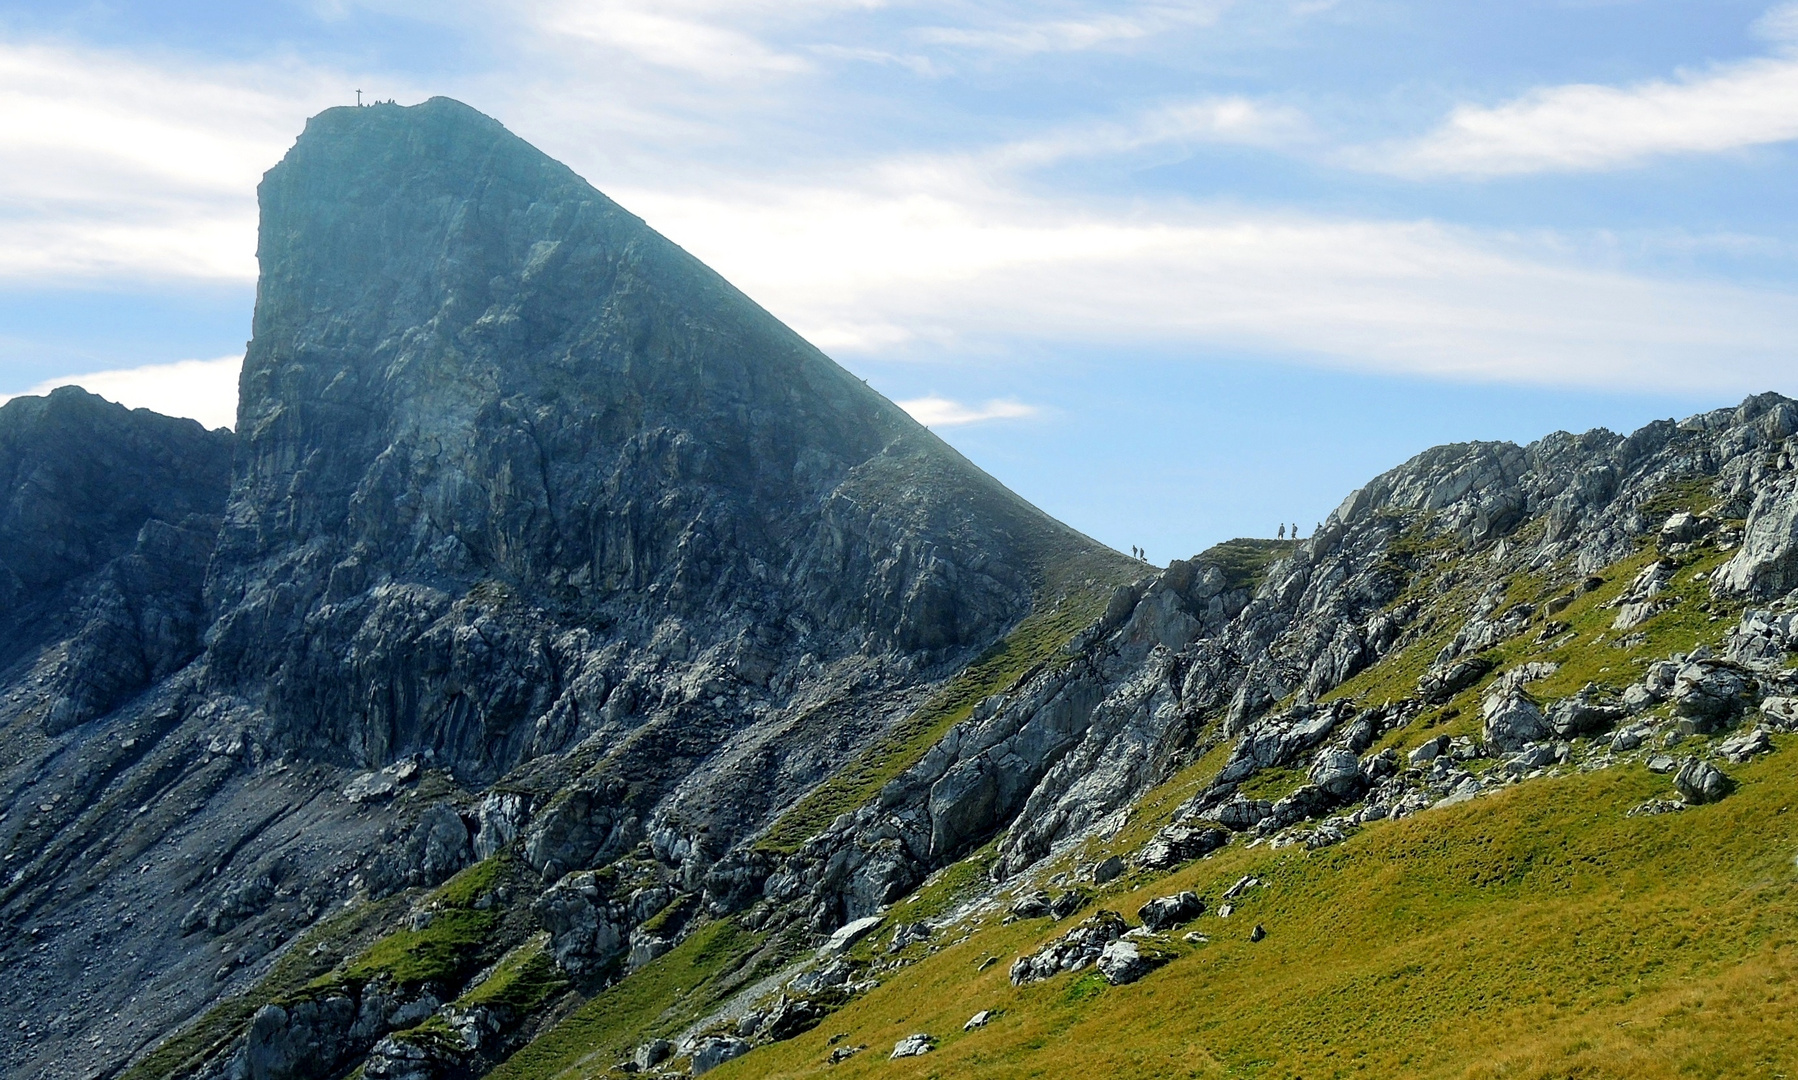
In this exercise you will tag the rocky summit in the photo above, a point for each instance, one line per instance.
(566, 670)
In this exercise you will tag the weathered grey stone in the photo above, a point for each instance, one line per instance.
(1167, 912)
(652, 1053)
(1068, 903)
(1584, 714)
(1710, 692)
(1428, 750)
(1781, 711)
(1077, 948)
(1108, 869)
(715, 1050)
(1337, 772)
(1442, 683)
(849, 933)
(1125, 961)
(1241, 813)
(1511, 720)
(909, 933)
(1742, 748)
(1699, 781)
(1767, 563)
(912, 1046)
(1685, 527)
(586, 927)
(1178, 843)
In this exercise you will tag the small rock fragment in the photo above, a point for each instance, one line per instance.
(912, 1046)
(1108, 869)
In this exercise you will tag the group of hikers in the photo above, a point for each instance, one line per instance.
(1282, 534)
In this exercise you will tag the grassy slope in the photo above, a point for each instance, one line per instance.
(1537, 932)
(1534, 933)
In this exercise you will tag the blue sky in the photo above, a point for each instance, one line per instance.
(1176, 271)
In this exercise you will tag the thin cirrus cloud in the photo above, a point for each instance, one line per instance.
(203, 390)
(1590, 127)
(876, 272)
(938, 412)
(1073, 34)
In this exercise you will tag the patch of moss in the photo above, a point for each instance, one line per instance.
(1272, 784)
(448, 947)
(1693, 494)
(442, 952)
(655, 1000)
(522, 981)
(670, 915)
(948, 887)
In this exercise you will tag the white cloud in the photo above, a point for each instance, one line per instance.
(1233, 119)
(692, 41)
(203, 390)
(1074, 34)
(112, 164)
(935, 412)
(1586, 127)
(876, 271)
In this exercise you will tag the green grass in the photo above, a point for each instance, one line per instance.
(1694, 494)
(521, 982)
(443, 952)
(655, 1000)
(446, 950)
(1036, 641)
(1273, 784)
(1245, 560)
(1535, 933)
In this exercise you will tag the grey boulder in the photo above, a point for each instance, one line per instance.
(1166, 912)
(1126, 961)
(715, 1050)
(1175, 844)
(1699, 781)
(1511, 720)
(1709, 693)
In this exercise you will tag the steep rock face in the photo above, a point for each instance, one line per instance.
(485, 405)
(105, 532)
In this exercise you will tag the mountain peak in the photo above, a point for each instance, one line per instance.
(473, 372)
